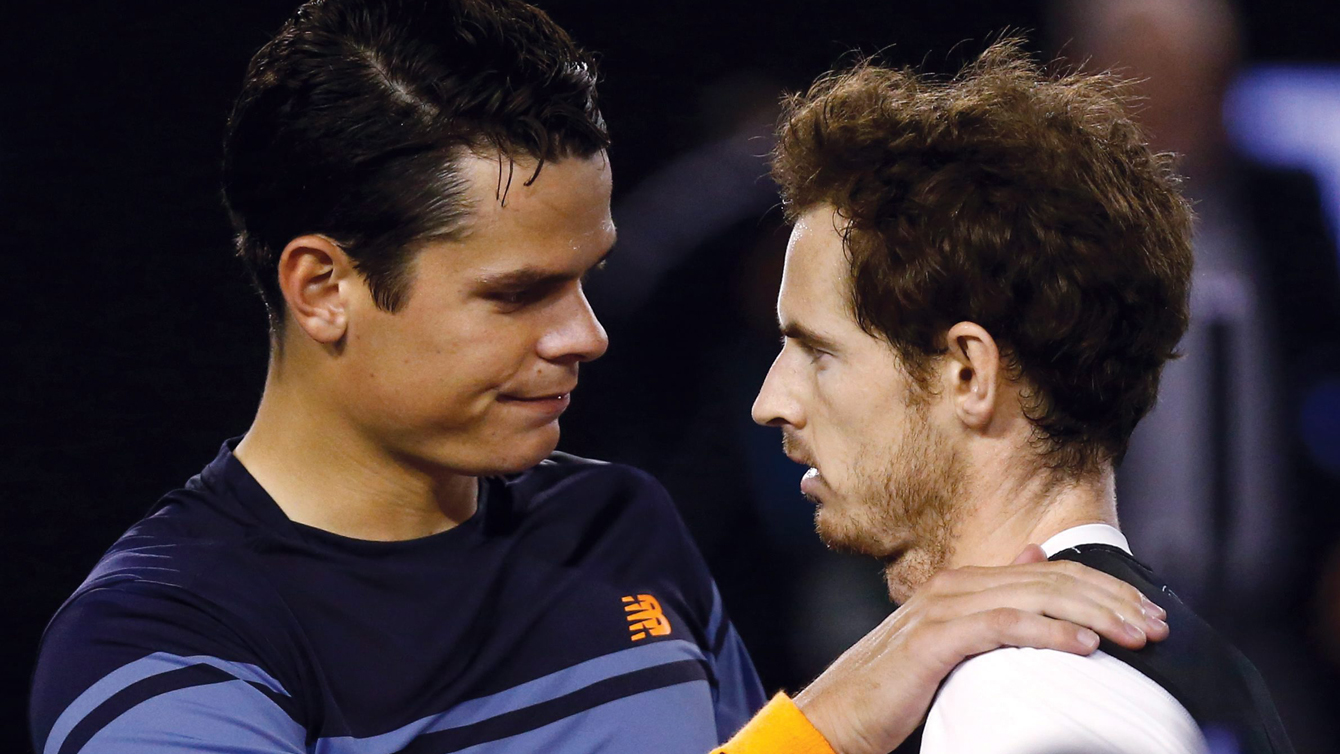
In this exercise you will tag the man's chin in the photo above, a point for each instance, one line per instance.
(846, 535)
(906, 566)
(516, 453)
(527, 453)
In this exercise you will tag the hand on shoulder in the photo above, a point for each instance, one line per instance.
(877, 692)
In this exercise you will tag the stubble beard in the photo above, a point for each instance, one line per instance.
(905, 509)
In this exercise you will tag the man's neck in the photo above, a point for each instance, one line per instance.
(323, 473)
(1010, 513)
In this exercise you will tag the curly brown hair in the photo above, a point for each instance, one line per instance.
(1021, 199)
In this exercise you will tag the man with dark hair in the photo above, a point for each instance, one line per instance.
(984, 282)
(393, 559)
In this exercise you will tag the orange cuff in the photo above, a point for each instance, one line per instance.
(779, 728)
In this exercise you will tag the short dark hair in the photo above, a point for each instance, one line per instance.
(1023, 200)
(352, 119)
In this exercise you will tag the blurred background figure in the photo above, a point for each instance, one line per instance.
(1219, 489)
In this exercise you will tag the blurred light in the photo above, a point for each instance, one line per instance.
(1290, 116)
(1220, 740)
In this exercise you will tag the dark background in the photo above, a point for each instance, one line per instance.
(133, 347)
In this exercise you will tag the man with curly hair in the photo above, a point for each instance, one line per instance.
(985, 279)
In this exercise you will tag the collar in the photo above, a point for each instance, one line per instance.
(1086, 534)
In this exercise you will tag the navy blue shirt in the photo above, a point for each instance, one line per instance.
(571, 613)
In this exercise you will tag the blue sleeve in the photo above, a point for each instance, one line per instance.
(141, 668)
(738, 693)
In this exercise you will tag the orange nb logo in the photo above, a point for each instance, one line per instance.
(645, 617)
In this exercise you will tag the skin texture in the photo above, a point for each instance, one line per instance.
(936, 481)
(374, 424)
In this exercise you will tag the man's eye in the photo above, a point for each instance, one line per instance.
(513, 298)
(810, 352)
(815, 354)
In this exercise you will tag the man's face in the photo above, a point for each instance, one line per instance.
(882, 472)
(473, 372)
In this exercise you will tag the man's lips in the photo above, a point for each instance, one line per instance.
(812, 478)
(546, 406)
(809, 483)
(536, 398)
(539, 395)
(541, 408)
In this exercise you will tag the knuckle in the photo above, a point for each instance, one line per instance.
(1072, 569)
(1060, 583)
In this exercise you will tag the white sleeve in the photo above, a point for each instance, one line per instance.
(1037, 701)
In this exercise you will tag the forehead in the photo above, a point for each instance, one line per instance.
(521, 191)
(564, 212)
(815, 279)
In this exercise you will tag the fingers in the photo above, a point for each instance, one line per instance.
(1140, 614)
(1111, 617)
(1062, 589)
(1007, 627)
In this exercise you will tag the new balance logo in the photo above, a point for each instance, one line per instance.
(645, 617)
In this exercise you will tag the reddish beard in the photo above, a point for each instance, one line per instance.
(904, 508)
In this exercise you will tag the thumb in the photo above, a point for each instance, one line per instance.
(1031, 554)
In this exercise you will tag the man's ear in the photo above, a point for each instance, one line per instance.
(972, 371)
(311, 272)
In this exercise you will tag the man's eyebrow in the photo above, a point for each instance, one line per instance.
(532, 277)
(806, 337)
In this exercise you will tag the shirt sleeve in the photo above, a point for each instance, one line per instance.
(1035, 701)
(738, 693)
(144, 668)
(778, 728)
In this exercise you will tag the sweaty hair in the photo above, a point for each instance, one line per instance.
(1024, 201)
(352, 121)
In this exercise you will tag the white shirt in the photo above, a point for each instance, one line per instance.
(1041, 701)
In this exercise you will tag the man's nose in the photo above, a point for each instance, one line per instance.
(578, 337)
(775, 405)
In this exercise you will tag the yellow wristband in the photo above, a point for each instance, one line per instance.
(779, 728)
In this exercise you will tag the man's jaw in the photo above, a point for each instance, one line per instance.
(907, 563)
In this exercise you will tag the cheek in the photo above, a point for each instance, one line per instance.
(844, 411)
(860, 423)
(431, 368)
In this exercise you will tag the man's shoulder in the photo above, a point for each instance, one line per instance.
(184, 542)
(1035, 700)
(1048, 674)
(169, 581)
(190, 564)
(1204, 671)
